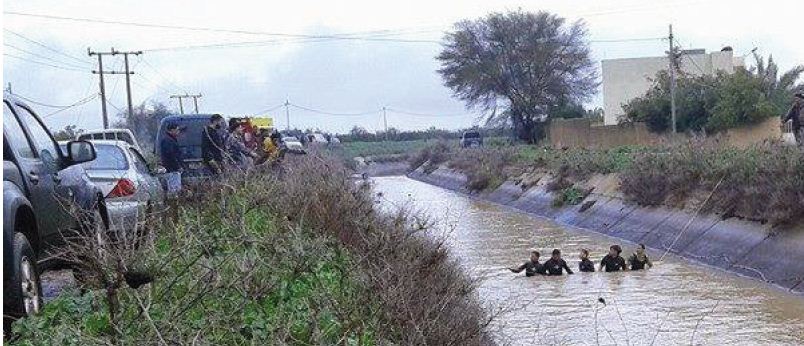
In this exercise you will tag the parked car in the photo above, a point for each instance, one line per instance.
(130, 187)
(189, 142)
(124, 135)
(471, 139)
(316, 139)
(292, 145)
(40, 182)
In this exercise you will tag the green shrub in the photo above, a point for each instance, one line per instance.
(569, 196)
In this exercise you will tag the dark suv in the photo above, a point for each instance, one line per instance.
(41, 189)
(471, 139)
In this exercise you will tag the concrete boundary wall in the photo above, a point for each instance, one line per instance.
(774, 256)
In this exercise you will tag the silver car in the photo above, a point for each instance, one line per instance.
(130, 188)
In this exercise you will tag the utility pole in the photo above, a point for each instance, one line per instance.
(287, 113)
(128, 78)
(672, 55)
(181, 106)
(385, 120)
(186, 95)
(195, 101)
(100, 72)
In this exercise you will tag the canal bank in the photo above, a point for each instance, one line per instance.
(677, 302)
(751, 249)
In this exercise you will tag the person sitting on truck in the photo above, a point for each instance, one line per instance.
(585, 265)
(532, 267)
(556, 265)
(239, 155)
(213, 143)
(639, 259)
(270, 147)
(612, 262)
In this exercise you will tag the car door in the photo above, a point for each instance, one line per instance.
(38, 161)
(148, 183)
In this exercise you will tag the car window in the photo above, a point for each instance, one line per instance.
(471, 135)
(110, 157)
(125, 137)
(14, 133)
(47, 150)
(97, 136)
(139, 162)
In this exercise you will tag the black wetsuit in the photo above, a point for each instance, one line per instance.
(531, 268)
(613, 264)
(586, 265)
(636, 264)
(554, 267)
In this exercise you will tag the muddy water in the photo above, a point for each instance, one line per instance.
(675, 303)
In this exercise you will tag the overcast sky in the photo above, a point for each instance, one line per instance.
(334, 76)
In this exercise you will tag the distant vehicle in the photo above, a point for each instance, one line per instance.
(124, 135)
(292, 145)
(131, 189)
(189, 142)
(334, 140)
(471, 139)
(38, 180)
(316, 139)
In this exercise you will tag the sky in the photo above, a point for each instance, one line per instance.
(334, 84)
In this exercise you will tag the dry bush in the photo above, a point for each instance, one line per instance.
(431, 156)
(485, 168)
(294, 254)
(764, 182)
(426, 296)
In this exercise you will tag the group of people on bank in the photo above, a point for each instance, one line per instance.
(235, 145)
(612, 262)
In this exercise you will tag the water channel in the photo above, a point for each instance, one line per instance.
(674, 303)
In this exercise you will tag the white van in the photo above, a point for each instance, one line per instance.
(124, 135)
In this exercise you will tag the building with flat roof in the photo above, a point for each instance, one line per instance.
(626, 79)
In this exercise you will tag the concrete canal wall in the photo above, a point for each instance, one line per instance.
(774, 256)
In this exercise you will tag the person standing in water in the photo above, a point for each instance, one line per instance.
(585, 265)
(639, 259)
(532, 267)
(613, 262)
(556, 265)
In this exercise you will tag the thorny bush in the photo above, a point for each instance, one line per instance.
(298, 255)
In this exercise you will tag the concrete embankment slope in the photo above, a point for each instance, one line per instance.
(775, 256)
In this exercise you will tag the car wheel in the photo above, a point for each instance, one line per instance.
(26, 289)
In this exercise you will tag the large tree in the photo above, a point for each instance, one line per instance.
(519, 65)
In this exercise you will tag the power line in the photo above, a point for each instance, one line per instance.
(42, 63)
(207, 29)
(271, 109)
(44, 57)
(168, 80)
(629, 40)
(246, 44)
(333, 113)
(46, 46)
(425, 114)
(78, 103)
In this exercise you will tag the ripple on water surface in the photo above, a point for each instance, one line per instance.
(662, 306)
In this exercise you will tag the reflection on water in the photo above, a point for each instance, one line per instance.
(675, 303)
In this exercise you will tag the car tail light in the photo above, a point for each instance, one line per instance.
(124, 187)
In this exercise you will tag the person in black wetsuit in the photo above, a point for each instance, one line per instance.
(613, 262)
(556, 265)
(532, 267)
(639, 259)
(585, 265)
